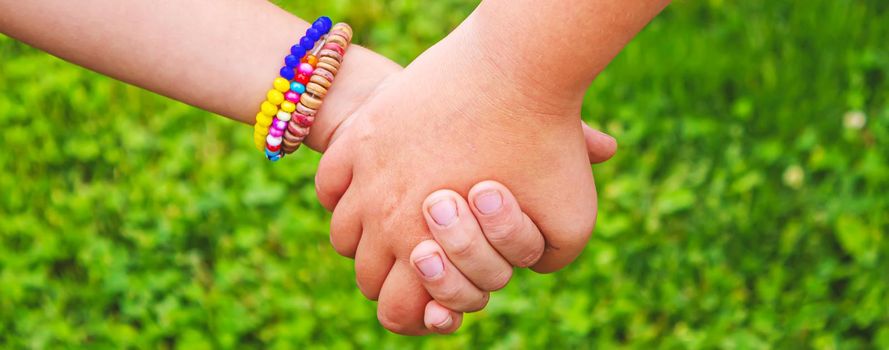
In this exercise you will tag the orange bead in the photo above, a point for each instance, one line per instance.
(310, 59)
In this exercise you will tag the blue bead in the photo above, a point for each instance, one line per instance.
(291, 61)
(306, 43)
(313, 34)
(271, 154)
(328, 23)
(297, 87)
(297, 51)
(320, 27)
(287, 73)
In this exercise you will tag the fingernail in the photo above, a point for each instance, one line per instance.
(444, 212)
(489, 202)
(440, 319)
(430, 266)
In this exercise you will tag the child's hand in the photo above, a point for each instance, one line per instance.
(438, 318)
(444, 123)
(478, 241)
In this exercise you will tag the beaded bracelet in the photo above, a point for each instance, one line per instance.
(330, 58)
(271, 121)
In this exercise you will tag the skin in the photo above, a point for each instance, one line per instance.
(496, 128)
(503, 238)
(200, 48)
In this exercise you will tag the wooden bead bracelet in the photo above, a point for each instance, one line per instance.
(276, 111)
(326, 64)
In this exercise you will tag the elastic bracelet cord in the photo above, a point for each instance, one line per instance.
(281, 101)
(329, 59)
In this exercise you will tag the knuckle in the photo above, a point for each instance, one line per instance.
(455, 298)
(574, 235)
(343, 238)
(392, 322)
(448, 295)
(499, 281)
(582, 230)
(341, 248)
(501, 231)
(530, 258)
(324, 167)
(370, 294)
(460, 248)
(479, 303)
(366, 290)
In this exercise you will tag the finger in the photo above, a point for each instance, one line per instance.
(440, 319)
(504, 224)
(566, 229)
(443, 281)
(403, 302)
(600, 146)
(453, 225)
(345, 225)
(372, 267)
(334, 175)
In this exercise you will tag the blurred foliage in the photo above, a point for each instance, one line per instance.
(747, 207)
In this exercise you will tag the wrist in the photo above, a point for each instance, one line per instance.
(508, 82)
(360, 75)
(523, 61)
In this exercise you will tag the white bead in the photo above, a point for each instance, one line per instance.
(283, 116)
(273, 141)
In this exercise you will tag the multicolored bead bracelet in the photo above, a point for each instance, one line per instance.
(275, 111)
(321, 75)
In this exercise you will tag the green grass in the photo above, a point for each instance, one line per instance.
(745, 209)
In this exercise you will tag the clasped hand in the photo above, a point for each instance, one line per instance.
(404, 176)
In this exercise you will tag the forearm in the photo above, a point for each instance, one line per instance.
(558, 46)
(218, 55)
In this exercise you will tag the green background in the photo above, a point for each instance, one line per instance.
(747, 206)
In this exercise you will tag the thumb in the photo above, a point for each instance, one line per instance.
(600, 146)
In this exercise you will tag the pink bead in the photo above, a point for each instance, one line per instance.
(292, 96)
(298, 131)
(276, 132)
(278, 124)
(305, 68)
(303, 120)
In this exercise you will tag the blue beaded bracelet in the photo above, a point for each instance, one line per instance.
(320, 27)
(298, 52)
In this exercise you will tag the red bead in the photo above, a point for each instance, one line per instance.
(273, 148)
(302, 79)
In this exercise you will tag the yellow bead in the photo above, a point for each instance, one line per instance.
(259, 130)
(275, 97)
(281, 84)
(288, 106)
(269, 109)
(260, 144)
(261, 118)
(265, 121)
